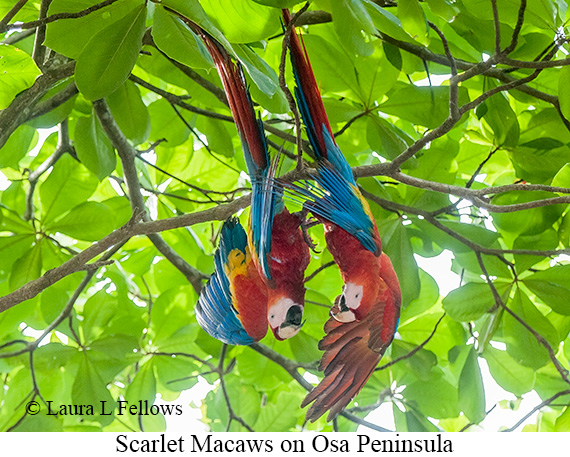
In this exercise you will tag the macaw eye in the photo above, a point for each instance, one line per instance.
(295, 315)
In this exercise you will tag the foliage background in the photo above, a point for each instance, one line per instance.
(95, 307)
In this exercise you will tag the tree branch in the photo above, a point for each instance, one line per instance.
(127, 154)
(55, 17)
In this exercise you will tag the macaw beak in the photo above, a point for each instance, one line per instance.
(344, 313)
(291, 325)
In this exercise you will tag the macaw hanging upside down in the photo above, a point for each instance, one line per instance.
(365, 316)
(276, 245)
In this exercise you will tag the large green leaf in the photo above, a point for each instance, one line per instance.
(530, 221)
(89, 391)
(26, 268)
(522, 345)
(18, 71)
(69, 184)
(130, 112)
(507, 372)
(413, 20)
(93, 146)
(17, 145)
(471, 389)
(426, 106)
(241, 21)
(437, 399)
(176, 40)
(472, 300)
(564, 91)
(108, 58)
(69, 36)
(552, 287)
(349, 18)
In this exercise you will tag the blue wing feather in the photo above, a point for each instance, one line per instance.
(214, 311)
(337, 201)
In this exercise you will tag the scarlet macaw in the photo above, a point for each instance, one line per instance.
(365, 316)
(353, 349)
(275, 238)
(350, 229)
(232, 307)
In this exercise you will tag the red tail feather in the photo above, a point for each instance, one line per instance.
(237, 92)
(308, 86)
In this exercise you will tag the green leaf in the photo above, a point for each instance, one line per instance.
(18, 71)
(68, 184)
(93, 147)
(130, 113)
(107, 60)
(547, 240)
(564, 91)
(562, 178)
(176, 40)
(21, 140)
(88, 221)
(472, 300)
(143, 386)
(386, 22)
(529, 221)
(501, 118)
(564, 230)
(413, 20)
(522, 345)
(509, 375)
(443, 8)
(437, 399)
(90, 390)
(98, 311)
(350, 18)
(26, 268)
(471, 391)
(165, 124)
(279, 416)
(399, 248)
(385, 138)
(552, 287)
(563, 421)
(279, 3)
(428, 106)
(241, 21)
(69, 36)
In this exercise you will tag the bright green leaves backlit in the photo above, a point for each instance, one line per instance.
(17, 72)
(110, 55)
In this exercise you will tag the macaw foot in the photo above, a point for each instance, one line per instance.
(305, 225)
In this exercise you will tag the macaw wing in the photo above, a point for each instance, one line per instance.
(266, 202)
(254, 144)
(217, 310)
(340, 202)
(352, 352)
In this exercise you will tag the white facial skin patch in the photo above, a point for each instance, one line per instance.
(350, 300)
(277, 315)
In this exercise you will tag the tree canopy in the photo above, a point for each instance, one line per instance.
(119, 160)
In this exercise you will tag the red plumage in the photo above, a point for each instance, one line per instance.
(353, 349)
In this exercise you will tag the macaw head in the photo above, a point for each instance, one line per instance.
(285, 317)
(358, 293)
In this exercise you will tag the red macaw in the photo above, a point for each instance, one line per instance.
(365, 316)
(350, 229)
(275, 239)
(353, 349)
(232, 307)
